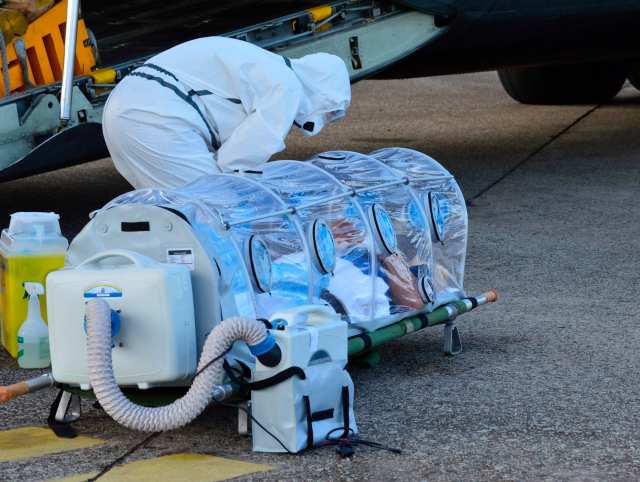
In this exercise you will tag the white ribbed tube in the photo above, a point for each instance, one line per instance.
(183, 410)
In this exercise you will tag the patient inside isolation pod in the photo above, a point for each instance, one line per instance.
(341, 245)
(398, 227)
(441, 198)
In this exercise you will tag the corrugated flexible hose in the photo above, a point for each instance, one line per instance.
(183, 410)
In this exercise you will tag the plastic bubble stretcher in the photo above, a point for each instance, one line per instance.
(260, 285)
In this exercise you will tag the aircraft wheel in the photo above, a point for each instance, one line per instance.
(592, 83)
(634, 75)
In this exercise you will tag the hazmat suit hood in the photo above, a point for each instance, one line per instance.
(327, 91)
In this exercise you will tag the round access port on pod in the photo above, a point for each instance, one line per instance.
(425, 287)
(323, 246)
(438, 208)
(382, 228)
(259, 261)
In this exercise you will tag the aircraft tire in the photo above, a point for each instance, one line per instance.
(634, 75)
(592, 83)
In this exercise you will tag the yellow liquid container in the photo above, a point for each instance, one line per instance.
(30, 249)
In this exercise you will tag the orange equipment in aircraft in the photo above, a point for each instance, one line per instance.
(43, 45)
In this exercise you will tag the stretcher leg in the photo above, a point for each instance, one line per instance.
(69, 409)
(452, 343)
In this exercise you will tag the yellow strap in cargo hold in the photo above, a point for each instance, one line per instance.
(44, 45)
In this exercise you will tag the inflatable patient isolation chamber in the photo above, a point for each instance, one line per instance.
(259, 286)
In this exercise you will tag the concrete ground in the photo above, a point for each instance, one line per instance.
(548, 385)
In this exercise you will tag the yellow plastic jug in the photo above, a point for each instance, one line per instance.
(30, 249)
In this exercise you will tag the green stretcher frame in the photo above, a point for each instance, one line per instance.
(358, 345)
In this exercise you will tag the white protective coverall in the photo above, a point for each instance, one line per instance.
(217, 104)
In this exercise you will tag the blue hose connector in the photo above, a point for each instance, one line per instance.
(267, 351)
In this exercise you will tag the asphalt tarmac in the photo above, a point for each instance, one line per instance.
(548, 386)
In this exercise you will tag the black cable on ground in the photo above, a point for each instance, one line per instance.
(153, 435)
(124, 456)
(344, 443)
(348, 439)
(248, 412)
(531, 155)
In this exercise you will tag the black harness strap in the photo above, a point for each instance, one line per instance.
(202, 93)
(199, 93)
(161, 70)
(214, 140)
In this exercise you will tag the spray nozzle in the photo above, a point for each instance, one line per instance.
(32, 289)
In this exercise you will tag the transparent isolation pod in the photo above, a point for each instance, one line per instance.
(398, 223)
(235, 289)
(259, 248)
(444, 203)
(273, 244)
(338, 236)
(345, 229)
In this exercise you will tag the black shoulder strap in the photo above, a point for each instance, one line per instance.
(136, 73)
(278, 378)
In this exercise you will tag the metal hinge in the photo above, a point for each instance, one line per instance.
(356, 61)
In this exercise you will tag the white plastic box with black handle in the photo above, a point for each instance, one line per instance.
(153, 323)
(316, 398)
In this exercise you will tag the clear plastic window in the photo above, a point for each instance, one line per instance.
(448, 221)
(259, 261)
(323, 246)
(383, 229)
(397, 223)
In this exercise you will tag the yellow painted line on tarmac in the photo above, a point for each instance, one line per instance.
(177, 468)
(27, 442)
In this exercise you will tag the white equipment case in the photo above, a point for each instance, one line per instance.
(304, 412)
(155, 342)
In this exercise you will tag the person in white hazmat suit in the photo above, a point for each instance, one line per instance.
(214, 105)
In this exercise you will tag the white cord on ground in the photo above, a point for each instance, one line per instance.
(183, 410)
